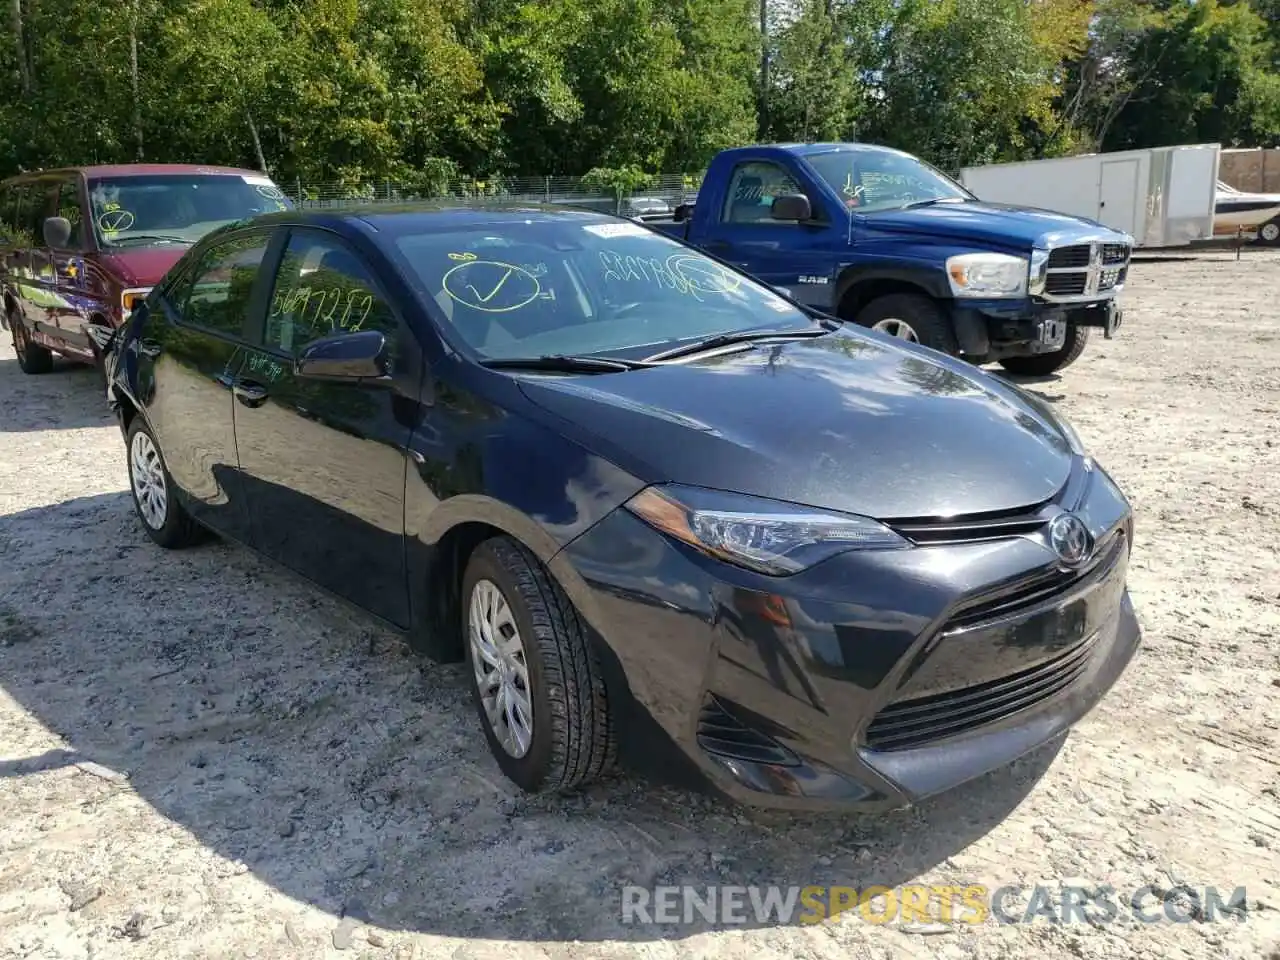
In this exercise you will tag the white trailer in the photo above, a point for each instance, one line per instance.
(1162, 197)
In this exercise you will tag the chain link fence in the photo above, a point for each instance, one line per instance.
(658, 197)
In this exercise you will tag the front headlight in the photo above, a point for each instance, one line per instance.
(767, 536)
(987, 275)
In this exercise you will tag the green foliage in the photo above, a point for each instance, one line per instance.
(358, 93)
(620, 181)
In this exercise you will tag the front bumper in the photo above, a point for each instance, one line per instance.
(1029, 326)
(870, 681)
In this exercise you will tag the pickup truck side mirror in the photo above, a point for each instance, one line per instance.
(791, 206)
(345, 356)
(57, 233)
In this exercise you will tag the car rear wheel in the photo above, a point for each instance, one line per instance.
(162, 516)
(32, 358)
(1043, 364)
(912, 317)
(536, 682)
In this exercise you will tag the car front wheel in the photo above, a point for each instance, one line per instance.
(536, 682)
(164, 519)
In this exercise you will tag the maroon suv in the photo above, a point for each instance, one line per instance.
(79, 247)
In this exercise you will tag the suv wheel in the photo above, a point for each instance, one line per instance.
(912, 317)
(536, 682)
(1043, 364)
(32, 358)
(162, 516)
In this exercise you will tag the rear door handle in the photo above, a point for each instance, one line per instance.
(249, 393)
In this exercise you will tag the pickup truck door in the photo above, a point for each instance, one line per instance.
(798, 258)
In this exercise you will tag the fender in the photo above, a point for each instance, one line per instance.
(430, 556)
(913, 273)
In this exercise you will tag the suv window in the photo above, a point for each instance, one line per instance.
(69, 207)
(322, 288)
(217, 293)
(752, 189)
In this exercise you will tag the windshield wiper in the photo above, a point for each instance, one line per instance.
(152, 238)
(565, 362)
(744, 336)
(932, 200)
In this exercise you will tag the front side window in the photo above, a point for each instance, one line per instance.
(221, 285)
(868, 179)
(323, 288)
(8, 213)
(39, 202)
(752, 190)
(159, 210)
(566, 285)
(69, 208)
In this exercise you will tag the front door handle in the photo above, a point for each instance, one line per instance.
(149, 349)
(249, 393)
(716, 245)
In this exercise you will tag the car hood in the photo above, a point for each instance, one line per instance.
(852, 421)
(997, 224)
(143, 268)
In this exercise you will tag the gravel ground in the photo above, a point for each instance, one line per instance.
(201, 757)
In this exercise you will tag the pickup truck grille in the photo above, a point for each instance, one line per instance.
(1086, 271)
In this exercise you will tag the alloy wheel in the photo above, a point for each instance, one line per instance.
(897, 328)
(147, 475)
(501, 671)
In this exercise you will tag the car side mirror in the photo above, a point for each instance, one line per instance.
(57, 232)
(791, 206)
(682, 212)
(356, 356)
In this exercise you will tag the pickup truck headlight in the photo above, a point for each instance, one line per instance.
(987, 275)
(131, 298)
(766, 536)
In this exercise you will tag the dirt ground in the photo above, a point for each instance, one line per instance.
(201, 757)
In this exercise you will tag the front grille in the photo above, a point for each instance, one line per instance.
(1064, 258)
(924, 720)
(1065, 284)
(722, 733)
(1027, 592)
(1085, 270)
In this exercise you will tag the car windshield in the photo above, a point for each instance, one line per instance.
(585, 286)
(869, 179)
(141, 211)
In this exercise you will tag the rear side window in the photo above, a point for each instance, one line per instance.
(752, 190)
(218, 290)
(323, 288)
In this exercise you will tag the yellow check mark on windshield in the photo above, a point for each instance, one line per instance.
(494, 291)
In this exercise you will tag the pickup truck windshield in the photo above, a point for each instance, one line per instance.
(142, 211)
(570, 286)
(869, 179)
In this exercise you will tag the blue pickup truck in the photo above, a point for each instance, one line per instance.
(880, 238)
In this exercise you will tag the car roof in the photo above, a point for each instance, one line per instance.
(422, 216)
(124, 170)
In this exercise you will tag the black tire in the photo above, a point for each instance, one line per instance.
(925, 316)
(1269, 233)
(32, 358)
(573, 740)
(1043, 364)
(177, 530)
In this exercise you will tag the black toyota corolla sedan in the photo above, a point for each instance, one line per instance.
(667, 515)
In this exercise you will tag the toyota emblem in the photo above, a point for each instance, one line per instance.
(1069, 538)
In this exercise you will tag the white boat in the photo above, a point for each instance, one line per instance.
(1235, 210)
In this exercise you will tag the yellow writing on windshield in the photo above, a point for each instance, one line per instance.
(685, 273)
(492, 286)
(113, 221)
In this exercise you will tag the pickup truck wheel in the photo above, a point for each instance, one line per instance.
(912, 317)
(537, 684)
(1043, 364)
(162, 516)
(32, 358)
